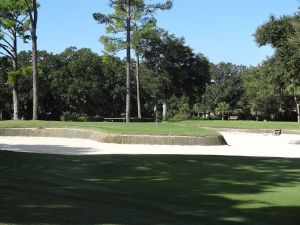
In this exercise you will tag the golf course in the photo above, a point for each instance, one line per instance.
(149, 112)
(54, 189)
(180, 128)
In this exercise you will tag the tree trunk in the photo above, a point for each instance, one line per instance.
(34, 62)
(297, 100)
(298, 112)
(138, 98)
(165, 109)
(128, 59)
(15, 84)
(34, 80)
(15, 99)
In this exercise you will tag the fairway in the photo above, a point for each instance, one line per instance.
(117, 128)
(57, 190)
(242, 124)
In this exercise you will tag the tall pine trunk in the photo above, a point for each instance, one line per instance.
(34, 80)
(128, 59)
(15, 84)
(34, 61)
(15, 99)
(297, 100)
(138, 98)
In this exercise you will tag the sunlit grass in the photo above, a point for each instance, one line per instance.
(118, 128)
(239, 124)
(182, 128)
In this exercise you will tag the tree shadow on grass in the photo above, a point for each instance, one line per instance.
(56, 189)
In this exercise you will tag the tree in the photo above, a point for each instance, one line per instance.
(283, 34)
(5, 103)
(78, 83)
(32, 13)
(260, 91)
(141, 26)
(294, 64)
(223, 108)
(197, 109)
(226, 86)
(172, 69)
(294, 90)
(12, 27)
(30, 8)
(75, 84)
(114, 74)
(126, 14)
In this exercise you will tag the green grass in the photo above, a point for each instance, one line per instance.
(183, 128)
(136, 190)
(239, 124)
(118, 128)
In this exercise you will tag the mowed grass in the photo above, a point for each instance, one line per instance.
(136, 190)
(118, 128)
(240, 124)
(182, 128)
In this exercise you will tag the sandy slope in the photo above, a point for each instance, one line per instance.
(240, 144)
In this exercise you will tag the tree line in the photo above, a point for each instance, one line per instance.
(81, 83)
(164, 73)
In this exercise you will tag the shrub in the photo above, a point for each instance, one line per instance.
(80, 118)
(179, 108)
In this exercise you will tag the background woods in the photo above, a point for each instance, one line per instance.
(164, 72)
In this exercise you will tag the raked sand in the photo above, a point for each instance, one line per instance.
(239, 144)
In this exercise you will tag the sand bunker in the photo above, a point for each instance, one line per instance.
(239, 144)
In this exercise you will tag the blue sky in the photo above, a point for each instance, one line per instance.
(222, 30)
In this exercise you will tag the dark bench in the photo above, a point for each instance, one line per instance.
(233, 117)
(114, 119)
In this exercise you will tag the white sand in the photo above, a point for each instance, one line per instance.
(240, 144)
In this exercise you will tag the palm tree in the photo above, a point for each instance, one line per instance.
(223, 108)
(197, 109)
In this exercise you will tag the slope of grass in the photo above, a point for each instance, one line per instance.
(117, 128)
(135, 190)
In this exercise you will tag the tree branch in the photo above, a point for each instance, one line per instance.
(7, 42)
(1, 53)
(8, 35)
(6, 49)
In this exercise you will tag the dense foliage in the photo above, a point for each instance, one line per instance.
(79, 84)
(268, 91)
